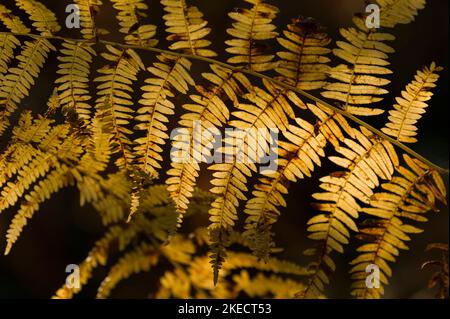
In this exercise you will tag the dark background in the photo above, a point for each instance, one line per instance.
(61, 232)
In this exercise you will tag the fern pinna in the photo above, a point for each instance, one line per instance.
(108, 130)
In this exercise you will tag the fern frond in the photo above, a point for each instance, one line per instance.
(131, 12)
(169, 76)
(187, 28)
(138, 260)
(206, 115)
(9, 42)
(37, 168)
(395, 12)
(250, 28)
(115, 100)
(87, 11)
(440, 277)
(21, 151)
(297, 159)
(96, 257)
(261, 286)
(73, 83)
(360, 81)
(7, 45)
(11, 21)
(411, 105)
(43, 19)
(366, 160)
(19, 80)
(304, 65)
(42, 191)
(408, 196)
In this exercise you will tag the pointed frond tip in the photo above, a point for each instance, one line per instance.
(411, 105)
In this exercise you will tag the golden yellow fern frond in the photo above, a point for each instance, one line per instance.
(73, 83)
(131, 13)
(206, 114)
(138, 260)
(304, 65)
(187, 28)
(7, 45)
(43, 19)
(407, 196)
(11, 21)
(360, 81)
(35, 169)
(411, 105)
(168, 76)
(115, 100)
(331, 124)
(250, 28)
(196, 279)
(17, 81)
(297, 159)
(96, 257)
(263, 286)
(21, 151)
(42, 191)
(395, 12)
(87, 9)
(247, 145)
(366, 160)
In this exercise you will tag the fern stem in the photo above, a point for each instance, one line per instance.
(254, 74)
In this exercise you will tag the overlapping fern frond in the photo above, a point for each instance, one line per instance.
(115, 100)
(130, 16)
(408, 196)
(250, 27)
(206, 114)
(305, 64)
(366, 160)
(187, 28)
(411, 105)
(18, 80)
(361, 79)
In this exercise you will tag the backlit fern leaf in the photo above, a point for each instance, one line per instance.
(399, 11)
(18, 81)
(297, 158)
(250, 28)
(360, 81)
(411, 105)
(87, 9)
(169, 76)
(131, 13)
(187, 28)
(73, 83)
(365, 161)
(409, 195)
(262, 285)
(304, 65)
(115, 100)
(11, 21)
(42, 191)
(43, 19)
(7, 44)
(207, 113)
(138, 260)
